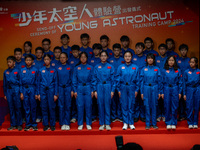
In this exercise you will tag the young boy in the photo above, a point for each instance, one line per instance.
(170, 48)
(183, 64)
(27, 49)
(116, 61)
(104, 40)
(96, 51)
(85, 40)
(46, 44)
(125, 41)
(19, 64)
(140, 60)
(12, 95)
(39, 62)
(28, 90)
(65, 47)
(57, 51)
(149, 46)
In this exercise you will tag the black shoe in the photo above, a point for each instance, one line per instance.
(147, 127)
(19, 128)
(11, 128)
(46, 128)
(53, 128)
(155, 127)
(143, 119)
(27, 128)
(35, 128)
(136, 119)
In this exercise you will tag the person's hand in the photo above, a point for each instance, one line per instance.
(136, 93)
(95, 94)
(112, 94)
(119, 93)
(75, 94)
(36, 97)
(184, 97)
(162, 95)
(39, 97)
(22, 96)
(142, 96)
(179, 96)
(92, 94)
(55, 98)
(72, 94)
(5, 97)
(159, 96)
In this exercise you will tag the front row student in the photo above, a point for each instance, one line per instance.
(11, 91)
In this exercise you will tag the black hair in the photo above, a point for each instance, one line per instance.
(29, 43)
(104, 37)
(175, 63)
(39, 48)
(64, 36)
(140, 44)
(17, 50)
(11, 58)
(84, 35)
(169, 40)
(75, 47)
(104, 52)
(46, 40)
(124, 38)
(97, 46)
(47, 55)
(150, 55)
(116, 45)
(57, 47)
(128, 52)
(162, 45)
(148, 39)
(196, 60)
(182, 46)
(64, 54)
(29, 56)
(80, 57)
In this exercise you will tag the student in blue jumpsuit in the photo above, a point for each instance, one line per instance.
(48, 92)
(85, 40)
(46, 45)
(170, 48)
(20, 63)
(104, 89)
(171, 92)
(27, 49)
(125, 41)
(191, 91)
(57, 51)
(149, 46)
(104, 40)
(83, 90)
(28, 90)
(65, 92)
(65, 47)
(11, 91)
(127, 81)
(150, 78)
(116, 61)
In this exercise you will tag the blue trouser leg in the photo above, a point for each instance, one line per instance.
(141, 107)
(44, 107)
(38, 110)
(174, 103)
(189, 104)
(167, 103)
(124, 103)
(154, 102)
(52, 106)
(196, 106)
(17, 104)
(119, 108)
(88, 105)
(114, 107)
(147, 94)
(101, 103)
(182, 108)
(33, 106)
(73, 108)
(80, 105)
(107, 91)
(94, 108)
(137, 106)
(61, 104)
(67, 105)
(131, 102)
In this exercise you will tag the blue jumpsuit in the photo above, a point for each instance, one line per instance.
(104, 84)
(11, 91)
(151, 51)
(82, 78)
(116, 111)
(38, 63)
(150, 78)
(140, 61)
(172, 87)
(127, 83)
(128, 50)
(94, 61)
(48, 87)
(169, 53)
(20, 65)
(51, 54)
(28, 86)
(191, 88)
(88, 50)
(110, 52)
(55, 63)
(64, 90)
(68, 51)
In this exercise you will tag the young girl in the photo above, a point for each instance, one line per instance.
(48, 86)
(104, 89)
(150, 77)
(191, 81)
(65, 91)
(171, 93)
(27, 49)
(83, 92)
(127, 79)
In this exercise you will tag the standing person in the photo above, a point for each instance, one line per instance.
(12, 95)
(171, 47)
(46, 45)
(128, 86)
(171, 93)
(27, 49)
(149, 46)
(83, 91)
(104, 40)
(65, 44)
(125, 42)
(65, 91)
(104, 89)
(150, 78)
(48, 92)
(20, 63)
(85, 40)
(57, 51)
(191, 92)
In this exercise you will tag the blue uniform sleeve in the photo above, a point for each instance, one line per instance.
(74, 80)
(4, 84)
(137, 80)
(142, 81)
(118, 79)
(185, 77)
(112, 74)
(159, 82)
(180, 84)
(56, 82)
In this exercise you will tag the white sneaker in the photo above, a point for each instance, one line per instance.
(195, 126)
(173, 127)
(169, 127)
(190, 126)
(125, 126)
(80, 127)
(101, 127)
(158, 119)
(38, 120)
(108, 127)
(88, 127)
(63, 127)
(163, 119)
(132, 127)
(73, 120)
(67, 127)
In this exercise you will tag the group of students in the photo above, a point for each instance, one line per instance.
(116, 85)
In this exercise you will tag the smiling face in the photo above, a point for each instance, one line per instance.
(171, 62)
